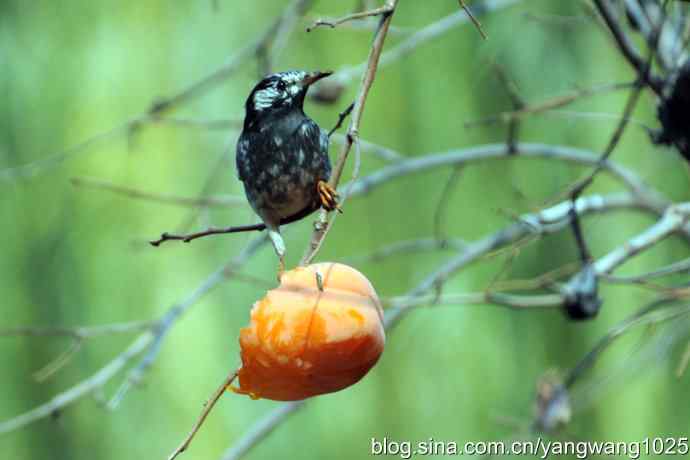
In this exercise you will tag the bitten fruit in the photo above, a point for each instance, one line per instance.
(318, 332)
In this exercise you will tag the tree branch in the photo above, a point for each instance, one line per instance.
(381, 11)
(355, 121)
(220, 201)
(474, 20)
(261, 429)
(208, 407)
(286, 20)
(186, 238)
(96, 381)
(627, 47)
(546, 221)
(424, 35)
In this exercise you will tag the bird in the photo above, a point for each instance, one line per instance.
(282, 155)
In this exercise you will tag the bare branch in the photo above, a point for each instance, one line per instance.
(546, 221)
(220, 201)
(678, 267)
(409, 247)
(579, 187)
(79, 332)
(29, 170)
(166, 322)
(513, 301)
(442, 204)
(383, 10)
(416, 165)
(384, 153)
(674, 219)
(652, 314)
(208, 407)
(551, 104)
(208, 232)
(290, 15)
(286, 20)
(259, 430)
(96, 381)
(457, 157)
(355, 121)
(627, 47)
(424, 35)
(151, 340)
(341, 117)
(474, 20)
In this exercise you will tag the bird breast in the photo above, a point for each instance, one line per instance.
(285, 161)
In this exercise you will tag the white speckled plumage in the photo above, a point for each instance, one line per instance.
(282, 154)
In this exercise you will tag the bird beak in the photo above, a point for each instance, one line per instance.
(313, 77)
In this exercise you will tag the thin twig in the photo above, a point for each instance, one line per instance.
(580, 186)
(458, 157)
(550, 104)
(259, 430)
(548, 220)
(79, 332)
(651, 314)
(443, 201)
(474, 20)
(501, 299)
(91, 384)
(419, 164)
(407, 247)
(383, 10)
(518, 104)
(355, 121)
(186, 238)
(208, 407)
(341, 117)
(59, 362)
(627, 47)
(130, 192)
(422, 36)
(673, 220)
(678, 267)
(384, 153)
(174, 313)
(290, 15)
(643, 73)
(287, 19)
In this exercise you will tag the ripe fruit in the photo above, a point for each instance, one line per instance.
(318, 332)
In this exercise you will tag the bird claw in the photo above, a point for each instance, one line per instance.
(328, 196)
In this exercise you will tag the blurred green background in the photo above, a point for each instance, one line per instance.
(78, 256)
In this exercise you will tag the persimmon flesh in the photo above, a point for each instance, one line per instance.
(321, 330)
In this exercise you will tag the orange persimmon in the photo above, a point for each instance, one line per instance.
(321, 330)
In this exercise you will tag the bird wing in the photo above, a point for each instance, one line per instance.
(253, 151)
(243, 160)
(324, 141)
(314, 206)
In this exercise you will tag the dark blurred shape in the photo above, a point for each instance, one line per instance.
(552, 406)
(327, 91)
(674, 115)
(582, 299)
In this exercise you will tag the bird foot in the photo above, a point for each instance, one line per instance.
(328, 196)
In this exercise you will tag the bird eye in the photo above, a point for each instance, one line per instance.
(281, 85)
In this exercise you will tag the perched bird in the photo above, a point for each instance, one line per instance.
(282, 154)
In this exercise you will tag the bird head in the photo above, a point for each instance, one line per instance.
(281, 91)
